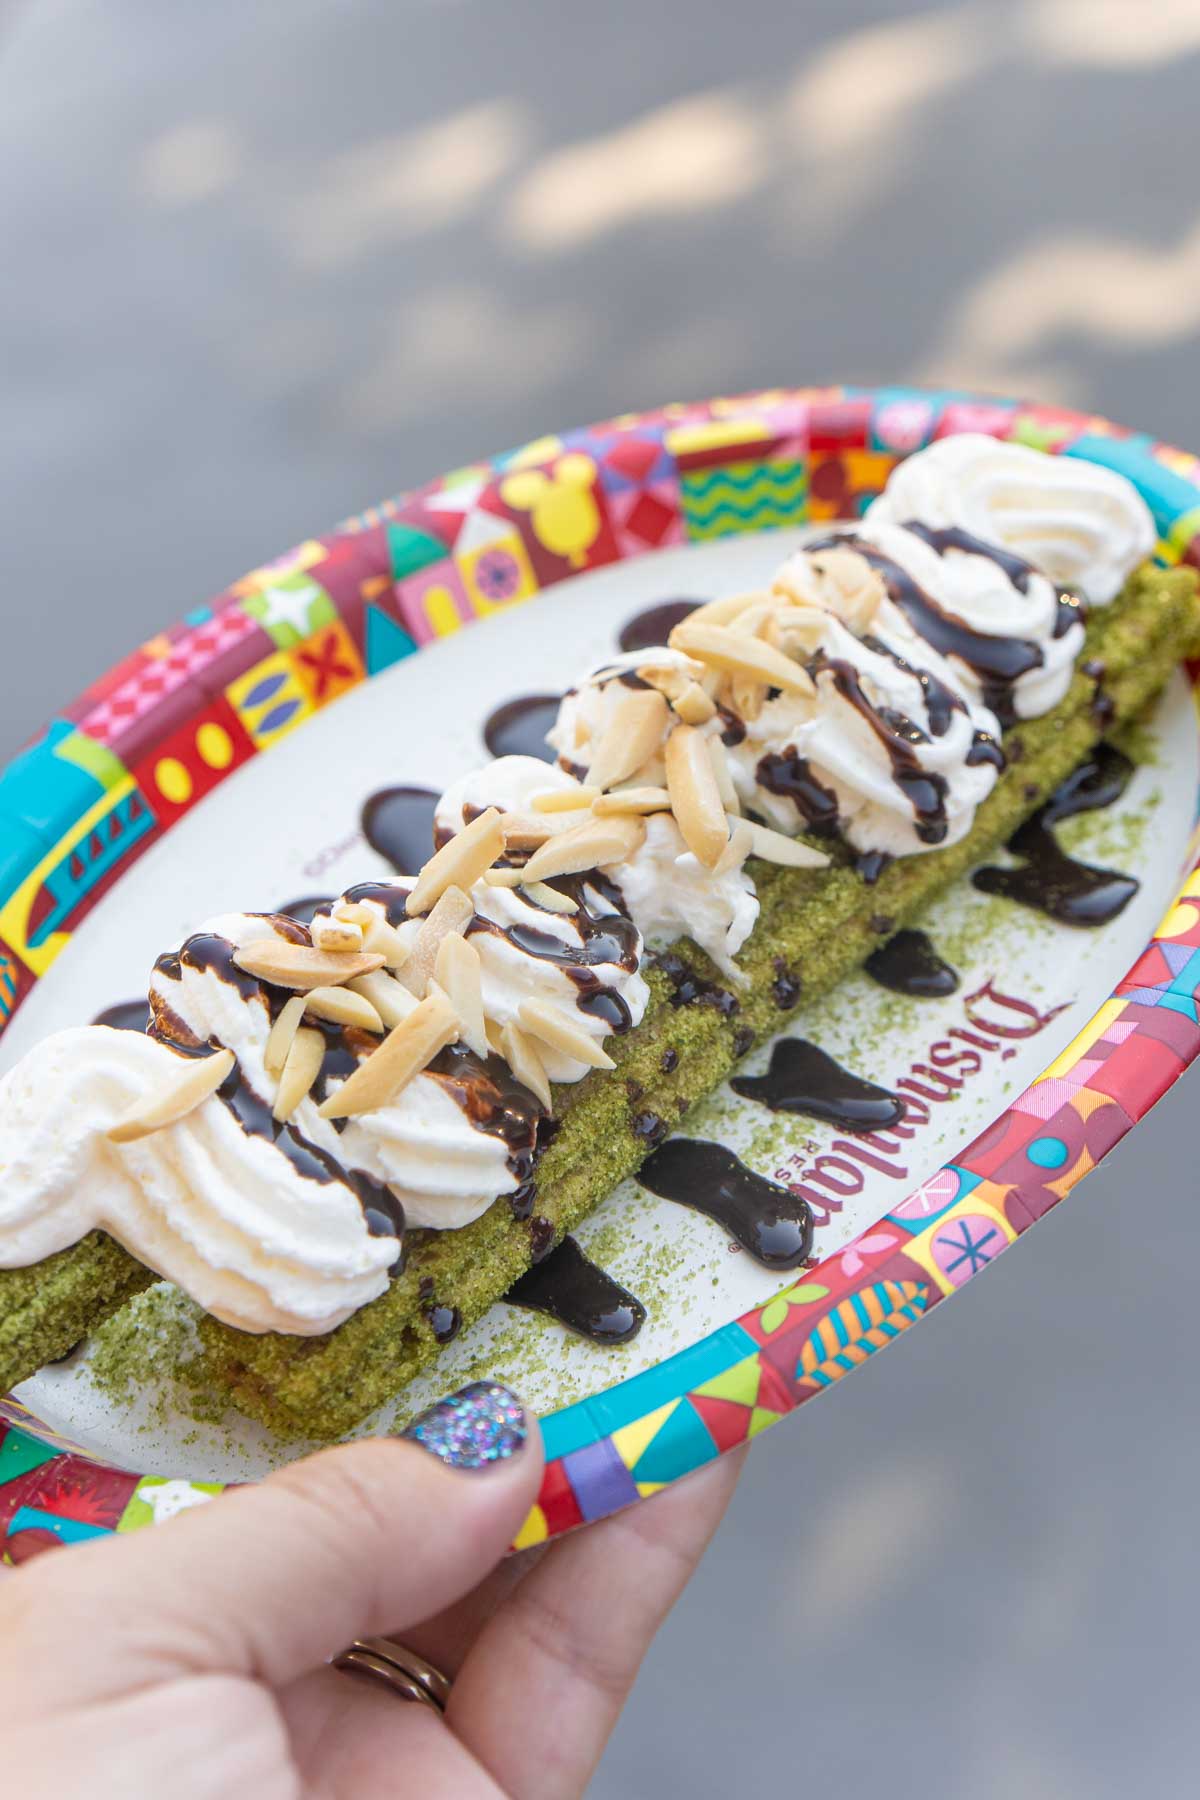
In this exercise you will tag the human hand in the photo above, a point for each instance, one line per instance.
(192, 1659)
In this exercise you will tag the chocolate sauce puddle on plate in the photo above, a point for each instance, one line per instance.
(126, 1015)
(803, 1078)
(1096, 783)
(305, 910)
(1048, 879)
(398, 823)
(769, 1221)
(568, 1286)
(909, 964)
(519, 727)
(648, 629)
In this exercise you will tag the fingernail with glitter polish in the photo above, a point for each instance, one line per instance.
(480, 1425)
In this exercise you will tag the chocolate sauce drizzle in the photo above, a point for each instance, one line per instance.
(397, 822)
(789, 775)
(205, 951)
(445, 1322)
(925, 789)
(392, 896)
(519, 727)
(998, 662)
(909, 964)
(608, 939)
(485, 1089)
(803, 1078)
(1048, 879)
(569, 1287)
(648, 629)
(689, 988)
(493, 1100)
(768, 1220)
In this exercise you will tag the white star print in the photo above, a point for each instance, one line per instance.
(289, 606)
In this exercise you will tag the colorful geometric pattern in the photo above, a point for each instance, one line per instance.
(155, 736)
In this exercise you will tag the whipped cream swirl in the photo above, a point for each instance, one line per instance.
(270, 1227)
(668, 893)
(586, 710)
(1011, 635)
(661, 887)
(256, 1241)
(587, 961)
(1083, 525)
(891, 750)
(423, 1146)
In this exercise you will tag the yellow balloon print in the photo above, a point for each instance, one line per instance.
(560, 503)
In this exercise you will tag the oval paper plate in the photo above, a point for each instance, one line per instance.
(115, 830)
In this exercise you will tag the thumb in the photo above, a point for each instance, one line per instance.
(270, 1581)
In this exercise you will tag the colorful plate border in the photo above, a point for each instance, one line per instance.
(166, 726)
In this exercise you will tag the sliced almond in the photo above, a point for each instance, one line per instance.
(718, 756)
(284, 1029)
(555, 1026)
(633, 800)
(301, 1069)
(850, 587)
(725, 649)
(390, 998)
(451, 914)
(505, 878)
(751, 620)
(356, 912)
(568, 799)
(713, 612)
(695, 798)
(671, 680)
(746, 697)
(551, 898)
(196, 1079)
(342, 1007)
(460, 977)
(523, 833)
(741, 842)
(329, 933)
(661, 662)
(800, 628)
(460, 862)
(523, 1058)
(694, 706)
(587, 846)
(636, 726)
(384, 940)
(298, 966)
(775, 847)
(407, 1049)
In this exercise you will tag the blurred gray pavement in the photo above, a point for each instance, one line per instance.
(264, 264)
